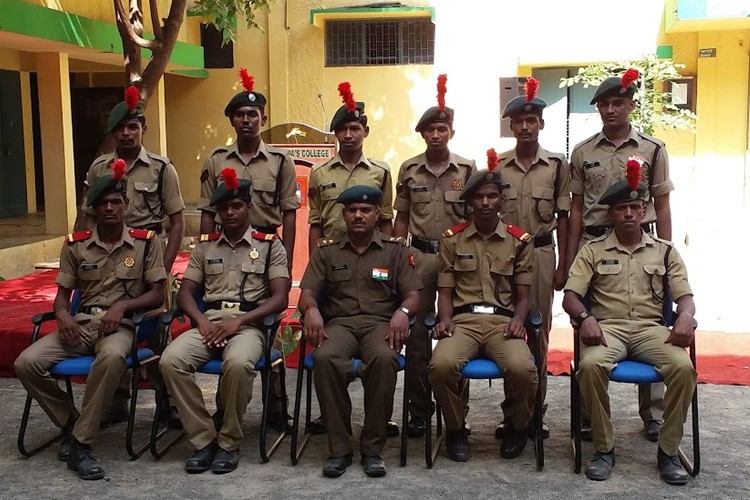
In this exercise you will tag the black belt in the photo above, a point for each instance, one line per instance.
(427, 246)
(542, 240)
(242, 306)
(483, 309)
(267, 229)
(156, 227)
(597, 231)
(94, 310)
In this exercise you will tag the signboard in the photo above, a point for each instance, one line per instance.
(710, 52)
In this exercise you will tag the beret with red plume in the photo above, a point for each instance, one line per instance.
(492, 159)
(230, 187)
(629, 78)
(530, 88)
(347, 97)
(481, 177)
(132, 97)
(229, 176)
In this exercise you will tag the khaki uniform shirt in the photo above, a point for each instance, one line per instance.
(271, 171)
(105, 277)
(223, 268)
(537, 194)
(328, 180)
(596, 164)
(357, 284)
(147, 205)
(484, 271)
(432, 201)
(622, 284)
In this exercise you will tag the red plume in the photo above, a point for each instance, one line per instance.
(630, 76)
(530, 87)
(345, 91)
(118, 168)
(132, 97)
(492, 159)
(229, 176)
(633, 174)
(441, 89)
(247, 80)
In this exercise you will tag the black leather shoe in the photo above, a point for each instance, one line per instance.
(336, 466)
(225, 461)
(601, 465)
(280, 422)
(63, 450)
(318, 426)
(82, 460)
(651, 430)
(374, 466)
(113, 416)
(416, 428)
(513, 442)
(202, 459)
(391, 429)
(457, 445)
(670, 469)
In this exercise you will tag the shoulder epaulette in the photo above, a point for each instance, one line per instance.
(379, 163)
(650, 139)
(79, 236)
(396, 239)
(324, 242)
(209, 237)
(141, 234)
(518, 233)
(220, 149)
(463, 161)
(455, 229)
(557, 156)
(589, 139)
(277, 151)
(160, 158)
(103, 158)
(264, 236)
(660, 240)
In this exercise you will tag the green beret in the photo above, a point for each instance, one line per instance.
(480, 178)
(104, 185)
(435, 114)
(344, 116)
(245, 98)
(519, 105)
(620, 192)
(361, 194)
(121, 113)
(612, 87)
(223, 193)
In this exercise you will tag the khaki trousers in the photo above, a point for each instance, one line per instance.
(188, 353)
(362, 336)
(108, 367)
(477, 334)
(640, 341)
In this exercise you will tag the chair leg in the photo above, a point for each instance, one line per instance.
(693, 466)
(538, 437)
(298, 447)
(432, 445)
(265, 452)
(157, 434)
(405, 412)
(22, 433)
(575, 421)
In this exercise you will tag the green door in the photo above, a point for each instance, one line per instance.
(12, 164)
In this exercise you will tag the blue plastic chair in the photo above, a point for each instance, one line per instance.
(81, 366)
(270, 358)
(482, 368)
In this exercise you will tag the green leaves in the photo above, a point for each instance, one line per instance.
(223, 14)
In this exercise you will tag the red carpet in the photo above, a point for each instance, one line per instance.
(722, 358)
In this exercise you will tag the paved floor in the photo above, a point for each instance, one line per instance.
(725, 446)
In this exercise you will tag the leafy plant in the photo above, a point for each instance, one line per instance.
(654, 109)
(223, 14)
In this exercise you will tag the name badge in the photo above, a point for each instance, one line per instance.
(419, 189)
(464, 256)
(339, 267)
(609, 262)
(592, 164)
(379, 274)
(88, 267)
(328, 186)
(215, 261)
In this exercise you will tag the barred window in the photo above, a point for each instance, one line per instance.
(380, 42)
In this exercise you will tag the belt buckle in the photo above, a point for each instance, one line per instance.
(480, 309)
(434, 246)
(96, 311)
(228, 306)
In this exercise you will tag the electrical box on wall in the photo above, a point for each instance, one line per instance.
(510, 87)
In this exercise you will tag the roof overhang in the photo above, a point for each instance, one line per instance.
(318, 17)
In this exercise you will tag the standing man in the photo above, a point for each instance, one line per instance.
(483, 299)
(628, 275)
(427, 201)
(538, 200)
(117, 270)
(598, 162)
(245, 277)
(370, 290)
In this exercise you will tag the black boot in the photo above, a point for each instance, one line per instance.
(457, 445)
(670, 468)
(202, 459)
(513, 442)
(82, 460)
(601, 465)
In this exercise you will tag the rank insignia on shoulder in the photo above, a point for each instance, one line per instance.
(79, 236)
(141, 234)
(263, 236)
(323, 242)
(455, 229)
(518, 233)
(209, 237)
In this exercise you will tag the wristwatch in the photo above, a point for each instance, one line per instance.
(405, 311)
(582, 317)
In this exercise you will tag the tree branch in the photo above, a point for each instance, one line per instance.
(124, 21)
(155, 21)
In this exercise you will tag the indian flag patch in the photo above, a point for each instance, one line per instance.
(379, 274)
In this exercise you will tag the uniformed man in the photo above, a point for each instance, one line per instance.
(245, 277)
(599, 161)
(537, 200)
(483, 299)
(368, 289)
(427, 203)
(628, 274)
(117, 270)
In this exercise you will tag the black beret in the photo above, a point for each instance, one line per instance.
(435, 114)
(520, 104)
(104, 185)
(344, 116)
(612, 87)
(245, 98)
(223, 193)
(120, 113)
(361, 194)
(480, 178)
(620, 192)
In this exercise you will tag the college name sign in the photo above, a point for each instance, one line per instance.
(312, 153)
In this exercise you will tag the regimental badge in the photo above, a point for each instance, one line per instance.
(443, 115)
(356, 113)
(457, 184)
(527, 107)
(129, 261)
(490, 176)
(254, 254)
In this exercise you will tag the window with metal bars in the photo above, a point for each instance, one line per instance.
(380, 42)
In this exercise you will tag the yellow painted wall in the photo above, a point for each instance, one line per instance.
(10, 59)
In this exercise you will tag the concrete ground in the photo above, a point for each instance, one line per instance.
(725, 447)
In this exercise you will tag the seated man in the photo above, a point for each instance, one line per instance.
(627, 274)
(359, 278)
(483, 300)
(245, 277)
(117, 270)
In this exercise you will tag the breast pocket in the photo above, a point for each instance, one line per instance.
(465, 265)
(214, 268)
(90, 274)
(544, 203)
(420, 202)
(611, 278)
(265, 191)
(339, 276)
(597, 179)
(453, 203)
(148, 192)
(655, 274)
(253, 267)
(511, 200)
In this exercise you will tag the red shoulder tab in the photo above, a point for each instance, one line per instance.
(209, 237)
(518, 233)
(79, 236)
(455, 229)
(263, 236)
(141, 234)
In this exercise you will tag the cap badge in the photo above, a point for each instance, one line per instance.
(129, 261)
(527, 107)
(364, 197)
(443, 115)
(490, 176)
(633, 195)
(251, 97)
